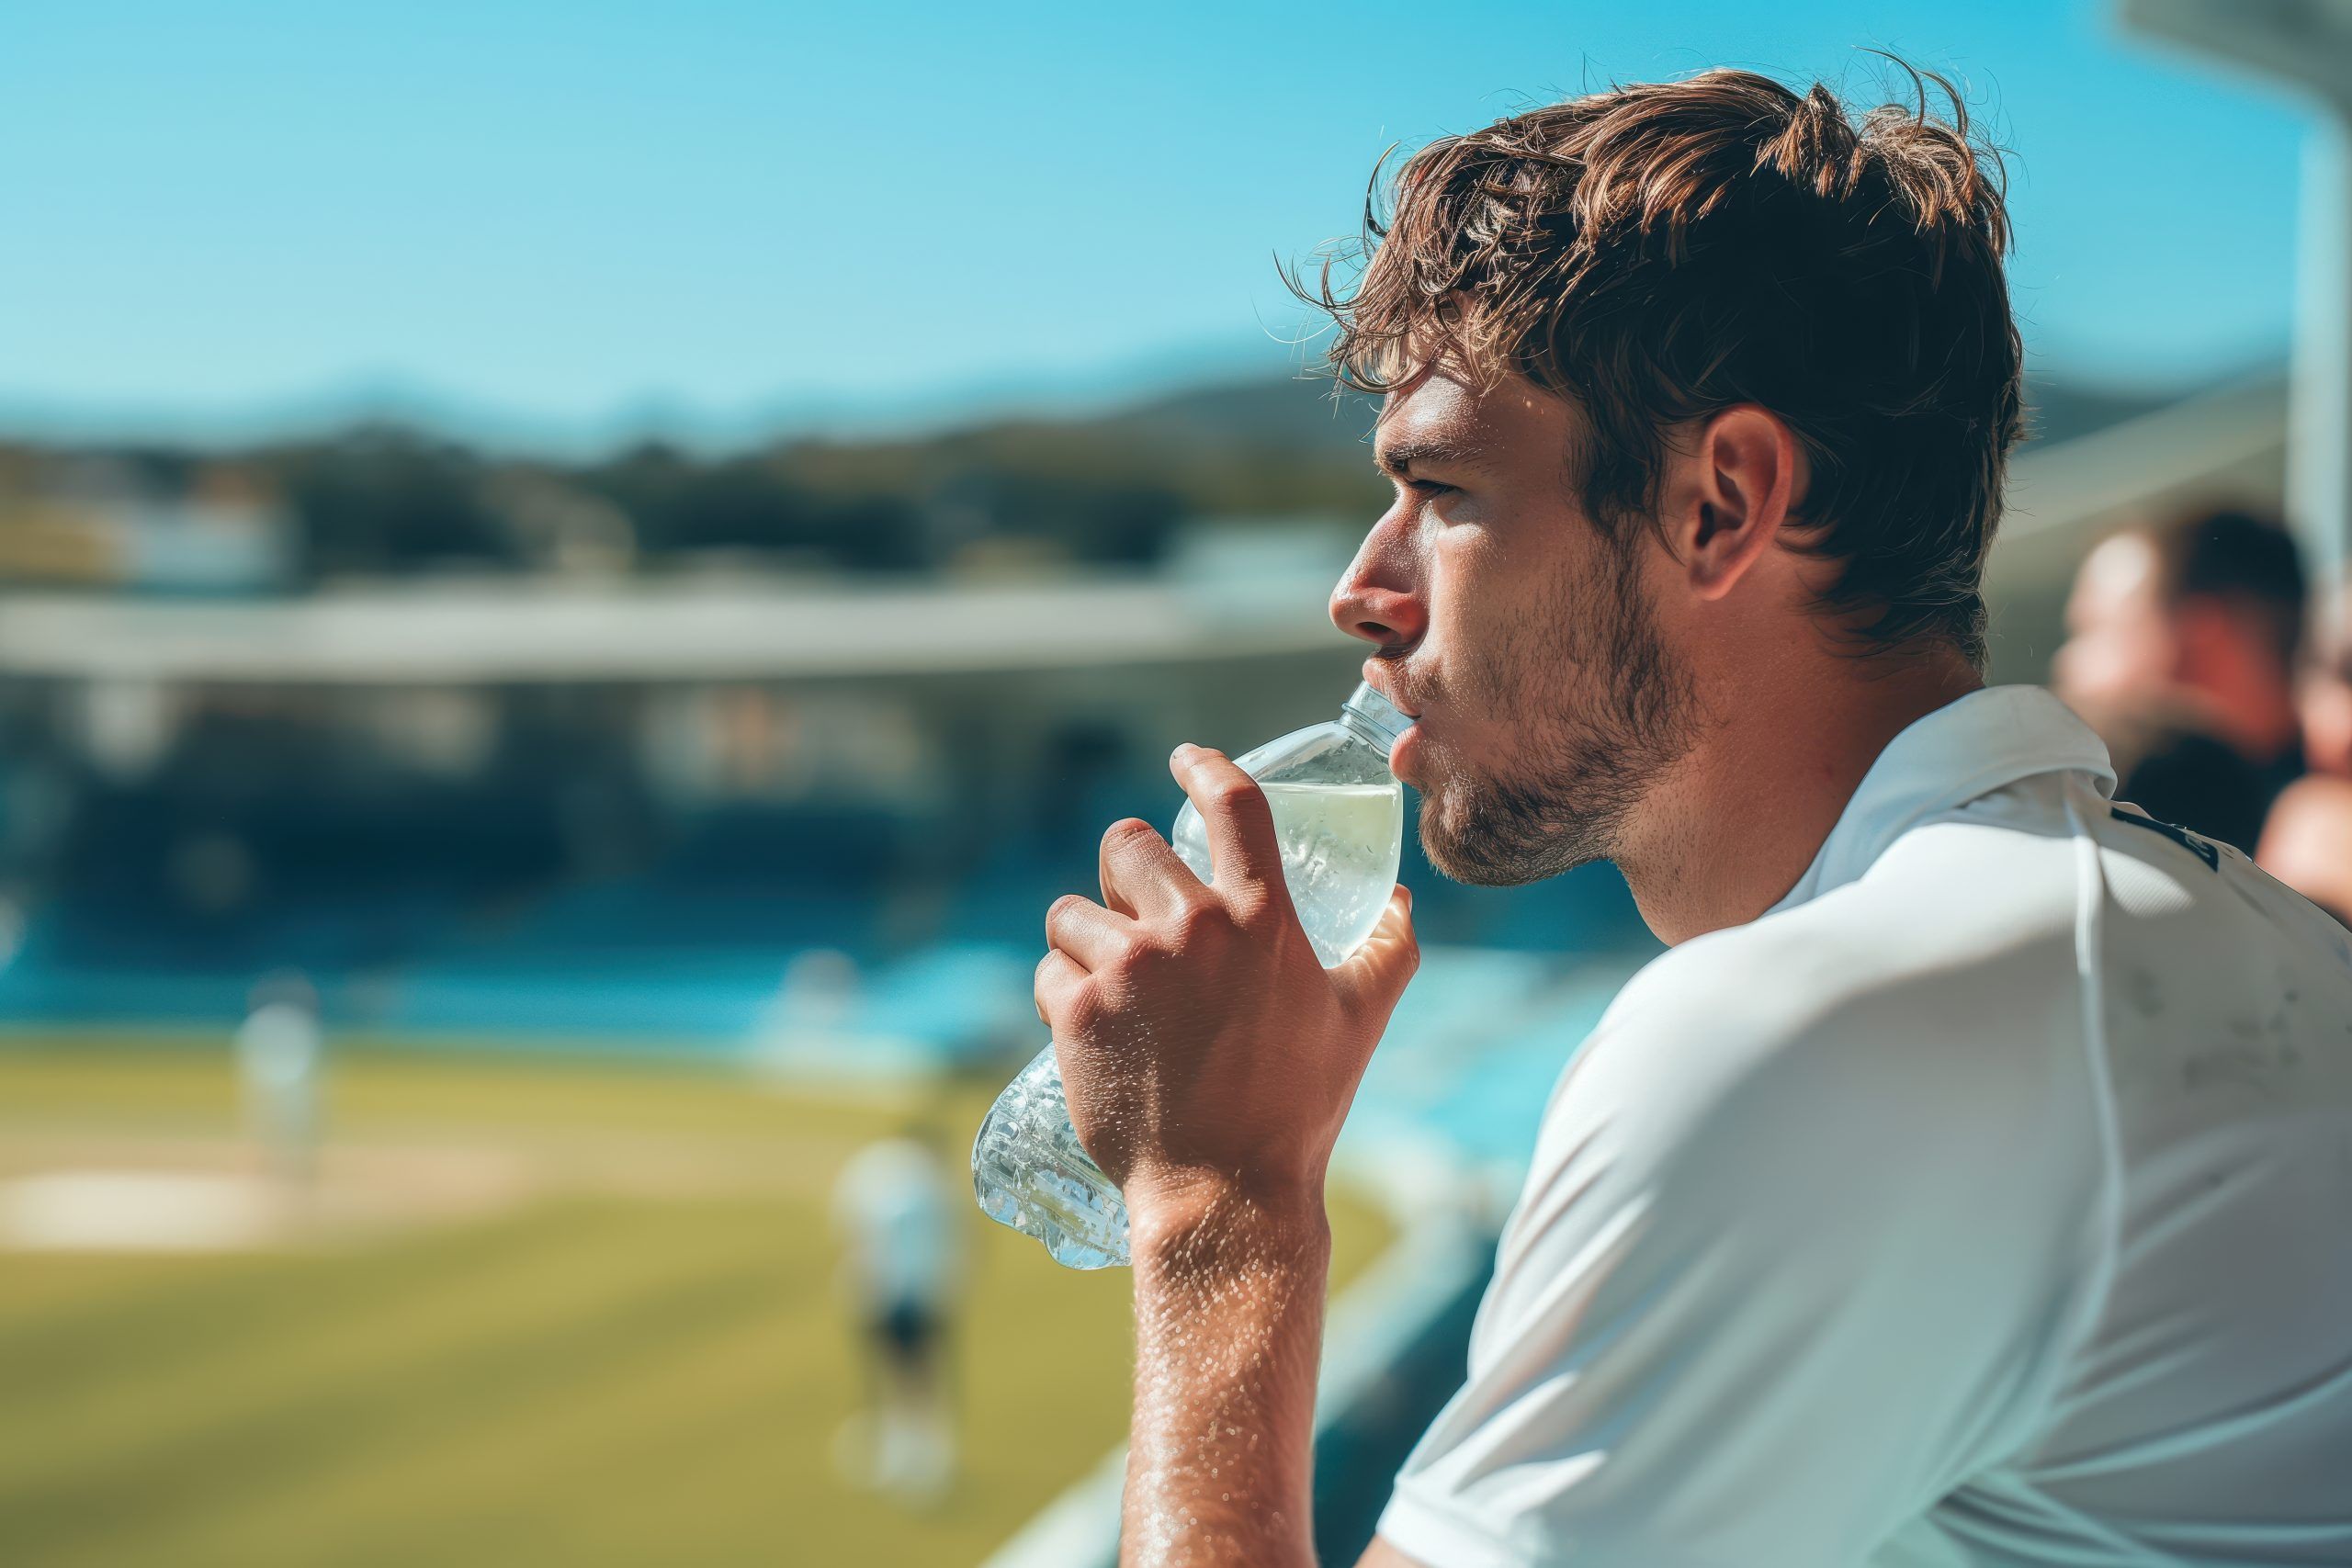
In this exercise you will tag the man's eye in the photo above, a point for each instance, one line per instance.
(1429, 487)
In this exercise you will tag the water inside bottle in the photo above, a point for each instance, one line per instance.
(1339, 845)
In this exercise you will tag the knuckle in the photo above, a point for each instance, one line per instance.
(1079, 1011)
(1062, 908)
(1197, 917)
(1116, 967)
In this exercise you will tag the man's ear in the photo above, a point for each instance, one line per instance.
(1745, 475)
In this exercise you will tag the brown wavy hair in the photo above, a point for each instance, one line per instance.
(1658, 251)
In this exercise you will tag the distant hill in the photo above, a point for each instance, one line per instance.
(1300, 414)
(2059, 409)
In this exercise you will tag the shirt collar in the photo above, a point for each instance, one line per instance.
(1985, 740)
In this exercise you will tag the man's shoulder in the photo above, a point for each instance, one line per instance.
(1954, 905)
(1945, 979)
(1833, 1076)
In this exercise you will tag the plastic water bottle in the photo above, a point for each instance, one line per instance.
(1338, 815)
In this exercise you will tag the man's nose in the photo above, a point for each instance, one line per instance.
(1378, 606)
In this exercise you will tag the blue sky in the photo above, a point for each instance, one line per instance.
(566, 218)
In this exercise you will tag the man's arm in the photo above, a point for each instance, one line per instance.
(1209, 1060)
(1228, 1334)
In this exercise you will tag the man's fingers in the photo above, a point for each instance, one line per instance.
(1140, 874)
(1375, 975)
(1242, 850)
(1057, 983)
(1114, 896)
(1086, 930)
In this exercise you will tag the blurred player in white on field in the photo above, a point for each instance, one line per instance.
(278, 1052)
(902, 1228)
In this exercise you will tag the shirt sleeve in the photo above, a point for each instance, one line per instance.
(1773, 1287)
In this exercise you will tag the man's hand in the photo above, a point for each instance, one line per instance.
(1200, 1040)
(1209, 1060)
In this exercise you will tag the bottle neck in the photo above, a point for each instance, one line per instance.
(1373, 719)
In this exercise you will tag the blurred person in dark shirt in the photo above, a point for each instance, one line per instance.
(2183, 649)
(2174, 769)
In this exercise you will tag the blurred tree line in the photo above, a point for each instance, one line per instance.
(1100, 491)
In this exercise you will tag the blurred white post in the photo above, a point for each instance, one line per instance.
(2308, 45)
(2319, 406)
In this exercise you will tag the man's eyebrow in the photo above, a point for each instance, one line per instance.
(1399, 457)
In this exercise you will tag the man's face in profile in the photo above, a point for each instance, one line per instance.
(1521, 635)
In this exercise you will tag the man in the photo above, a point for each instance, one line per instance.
(2184, 649)
(1968, 1183)
(902, 1236)
(278, 1057)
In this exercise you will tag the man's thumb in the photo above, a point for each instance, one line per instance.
(1374, 975)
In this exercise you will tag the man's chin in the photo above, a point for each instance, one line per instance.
(1472, 863)
(1481, 853)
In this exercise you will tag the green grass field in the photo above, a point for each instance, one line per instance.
(587, 1316)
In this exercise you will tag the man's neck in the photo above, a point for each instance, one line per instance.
(1725, 837)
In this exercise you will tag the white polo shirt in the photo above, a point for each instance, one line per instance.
(1988, 1200)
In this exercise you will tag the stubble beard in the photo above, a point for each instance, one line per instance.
(1590, 742)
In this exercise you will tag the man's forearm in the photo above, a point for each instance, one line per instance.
(1228, 1334)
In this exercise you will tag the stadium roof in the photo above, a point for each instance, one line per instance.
(2229, 439)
